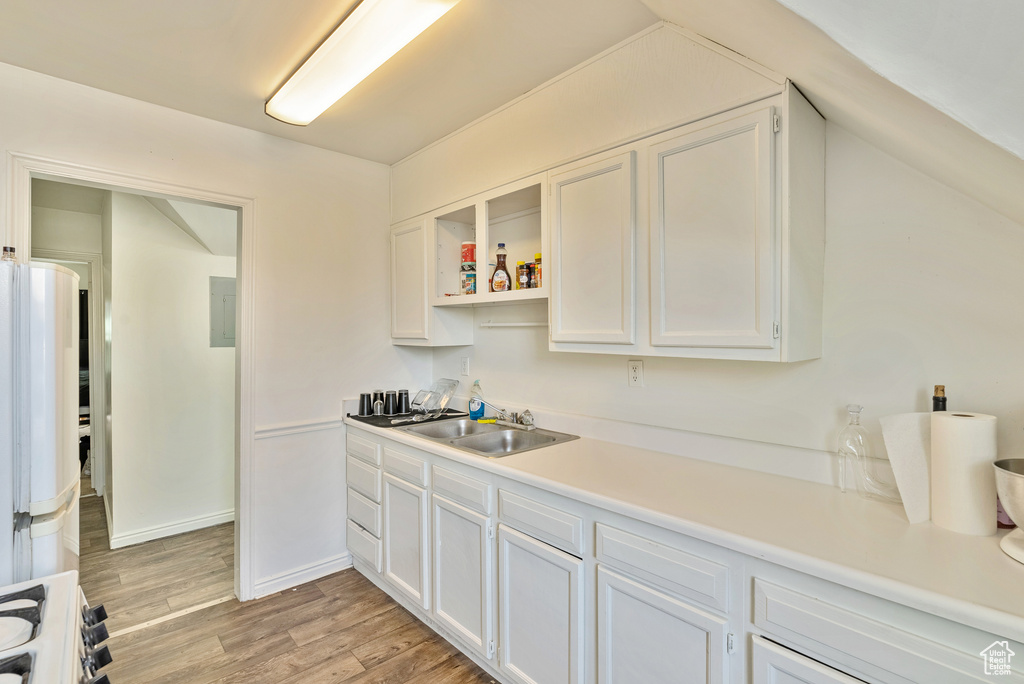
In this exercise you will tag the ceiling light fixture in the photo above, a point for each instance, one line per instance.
(368, 37)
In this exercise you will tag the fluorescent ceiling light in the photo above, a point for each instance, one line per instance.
(370, 36)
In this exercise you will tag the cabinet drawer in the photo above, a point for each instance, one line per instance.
(364, 512)
(363, 449)
(683, 573)
(364, 546)
(556, 527)
(410, 468)
(858, 643)
(471, 493)
(364, 478)
(777, 665)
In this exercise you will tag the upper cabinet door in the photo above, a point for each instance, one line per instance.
(592, 236)
(712, 194)
(409, 281)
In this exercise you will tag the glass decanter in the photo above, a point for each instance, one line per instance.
(872, 476)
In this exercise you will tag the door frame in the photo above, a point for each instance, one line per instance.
(22, 168)
(97, 365)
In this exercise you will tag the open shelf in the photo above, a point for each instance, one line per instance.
(482, 298)
(512, 215)
(451, 230)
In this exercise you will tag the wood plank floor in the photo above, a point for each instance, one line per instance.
(341, 629)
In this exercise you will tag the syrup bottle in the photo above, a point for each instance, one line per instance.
(501, 281)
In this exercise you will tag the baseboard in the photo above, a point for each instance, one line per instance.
(118, 541)
(307, 573)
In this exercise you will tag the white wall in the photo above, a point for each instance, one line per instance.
(172, 394)
(661, 78)
(321, 307)
(68, 231)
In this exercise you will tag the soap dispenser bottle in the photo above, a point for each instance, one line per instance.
(476, 401)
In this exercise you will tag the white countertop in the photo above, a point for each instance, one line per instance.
(814, 528)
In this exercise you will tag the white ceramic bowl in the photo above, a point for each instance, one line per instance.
(1010, 485)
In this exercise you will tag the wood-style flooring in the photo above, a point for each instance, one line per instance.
(338, 630)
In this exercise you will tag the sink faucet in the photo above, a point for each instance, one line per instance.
(520, 421)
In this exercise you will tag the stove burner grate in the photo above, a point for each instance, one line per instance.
(11, 637)
(19, 665)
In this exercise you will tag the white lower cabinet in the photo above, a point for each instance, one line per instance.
(541, 607)
(773, 664)
(645, 635)
(406, 530)
(463, 571)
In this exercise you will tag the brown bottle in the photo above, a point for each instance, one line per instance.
(501, 281)
(939, 399)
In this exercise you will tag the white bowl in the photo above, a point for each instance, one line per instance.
(1010, 485)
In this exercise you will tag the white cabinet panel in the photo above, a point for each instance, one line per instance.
(405, 537)
(558, 528)
(364, 545)
(772, 664)
(541, 608)
(409, 281)
(712, 235)
(592, 237)
(363, 478)
(463, 594)
(647, 636)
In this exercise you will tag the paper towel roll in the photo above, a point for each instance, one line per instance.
(963, 491)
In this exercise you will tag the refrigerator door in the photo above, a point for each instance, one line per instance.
(54, 539)
(49, 447)
(8, 501)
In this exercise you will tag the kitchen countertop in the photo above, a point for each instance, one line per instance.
(844, 538)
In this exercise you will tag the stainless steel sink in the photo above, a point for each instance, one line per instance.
(487, 439)
(449, 429)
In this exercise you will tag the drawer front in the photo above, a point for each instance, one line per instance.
(556, 527)
(364, 478)
(364, 546)
(410, 468)
(778, 665)
(364, 512)
(683, 573)
(857, 643)
(470, 493)
(363, 449)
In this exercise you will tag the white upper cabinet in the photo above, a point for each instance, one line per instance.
(408, 281)
(712, 234)
(593, 232)
(430, 304)
(413, 320)
(730, 238)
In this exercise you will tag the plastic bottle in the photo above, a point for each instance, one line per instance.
(476, 403)
(873, 476)
(501, 281)
(536, 261)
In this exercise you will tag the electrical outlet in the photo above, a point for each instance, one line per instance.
(465, 365)
(636, 373)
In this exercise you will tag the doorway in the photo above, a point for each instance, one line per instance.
(25, 169)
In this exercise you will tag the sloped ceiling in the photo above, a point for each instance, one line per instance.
(850, 92)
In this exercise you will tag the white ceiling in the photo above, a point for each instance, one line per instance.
(222, 59)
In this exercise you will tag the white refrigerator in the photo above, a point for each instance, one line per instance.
(39, 464)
